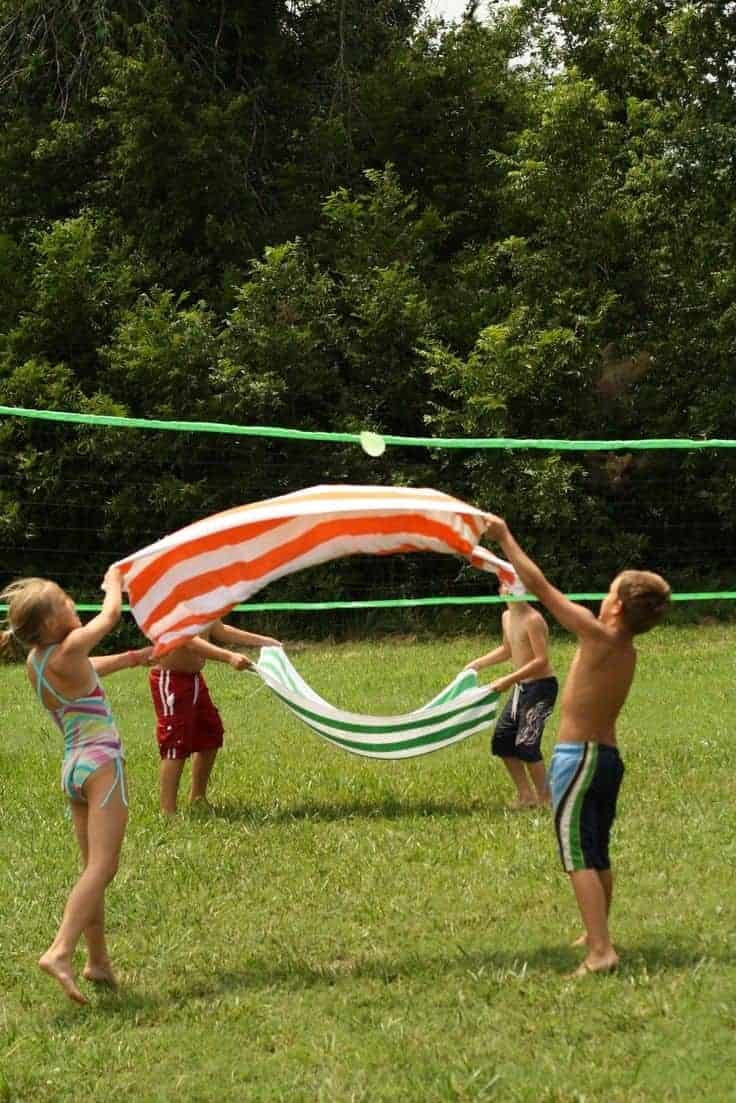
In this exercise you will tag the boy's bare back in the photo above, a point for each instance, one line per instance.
(596, 688)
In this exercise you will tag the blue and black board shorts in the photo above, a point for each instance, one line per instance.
(518, 733)
(584, 779)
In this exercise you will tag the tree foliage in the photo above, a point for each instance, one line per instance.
(333, 215)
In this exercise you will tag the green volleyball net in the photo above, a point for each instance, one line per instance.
(81, 490)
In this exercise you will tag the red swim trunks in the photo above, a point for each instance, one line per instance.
(186, 719)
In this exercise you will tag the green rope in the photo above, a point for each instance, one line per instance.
(408, 602)
(354, 438)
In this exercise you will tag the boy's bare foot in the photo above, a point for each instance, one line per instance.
(597, 965)
(200, 806)
(521, 803)
(60, 968)
(100, 974)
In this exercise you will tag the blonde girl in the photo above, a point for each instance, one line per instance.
(43, 620)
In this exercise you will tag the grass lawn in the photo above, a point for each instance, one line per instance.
(347, 930)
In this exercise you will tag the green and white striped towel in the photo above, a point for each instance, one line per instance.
(462, 708)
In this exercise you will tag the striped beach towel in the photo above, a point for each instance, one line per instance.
(181, 584)
(460, 709)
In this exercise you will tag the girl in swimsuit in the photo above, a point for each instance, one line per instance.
(44, 620)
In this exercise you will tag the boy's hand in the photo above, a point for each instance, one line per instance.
(472, 666)
(241, 662)
(497, 528)
(143, 656)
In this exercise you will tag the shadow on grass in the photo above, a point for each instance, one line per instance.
(497, 968)
(659, 956)
(387, 808)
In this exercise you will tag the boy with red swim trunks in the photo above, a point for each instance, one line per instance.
(187, 722)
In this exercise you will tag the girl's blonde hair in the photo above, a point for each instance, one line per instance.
(30, 603)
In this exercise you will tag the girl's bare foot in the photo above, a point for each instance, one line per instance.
(581, 940)
(100, 973)
(60, 968)
(597, 965)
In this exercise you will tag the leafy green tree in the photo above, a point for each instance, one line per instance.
(330, 215)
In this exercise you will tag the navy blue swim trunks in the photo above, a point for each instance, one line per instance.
(584, 779)
(518, 733)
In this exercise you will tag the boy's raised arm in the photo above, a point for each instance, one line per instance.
(576, 618)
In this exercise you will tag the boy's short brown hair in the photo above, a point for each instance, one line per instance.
(645, 598)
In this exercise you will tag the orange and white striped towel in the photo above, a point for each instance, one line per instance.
(181, 584)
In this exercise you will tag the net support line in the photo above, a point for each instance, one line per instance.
(354, 438)
(408, 602)
(415, 442)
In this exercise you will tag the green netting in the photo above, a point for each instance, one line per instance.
(47, 532)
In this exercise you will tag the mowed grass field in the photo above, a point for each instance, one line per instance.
(346, 930)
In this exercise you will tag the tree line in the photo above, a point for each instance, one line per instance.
(337, 215)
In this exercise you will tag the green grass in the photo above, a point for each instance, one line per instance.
(348, 930)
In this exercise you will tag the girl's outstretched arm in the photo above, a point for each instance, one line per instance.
(80, 641)
(110, 664)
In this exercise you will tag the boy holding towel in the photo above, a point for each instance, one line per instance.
(586, 769)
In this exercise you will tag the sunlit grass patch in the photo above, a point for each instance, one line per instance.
(343, 929)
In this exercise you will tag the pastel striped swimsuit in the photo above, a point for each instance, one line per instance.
(91, 739)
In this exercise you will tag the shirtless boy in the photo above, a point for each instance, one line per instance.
(518, 735)
(586, 768)
(187, 722)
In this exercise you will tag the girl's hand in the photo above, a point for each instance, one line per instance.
(113, 579)
(472, 666)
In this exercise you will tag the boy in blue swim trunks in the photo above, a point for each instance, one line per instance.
(586, 769)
